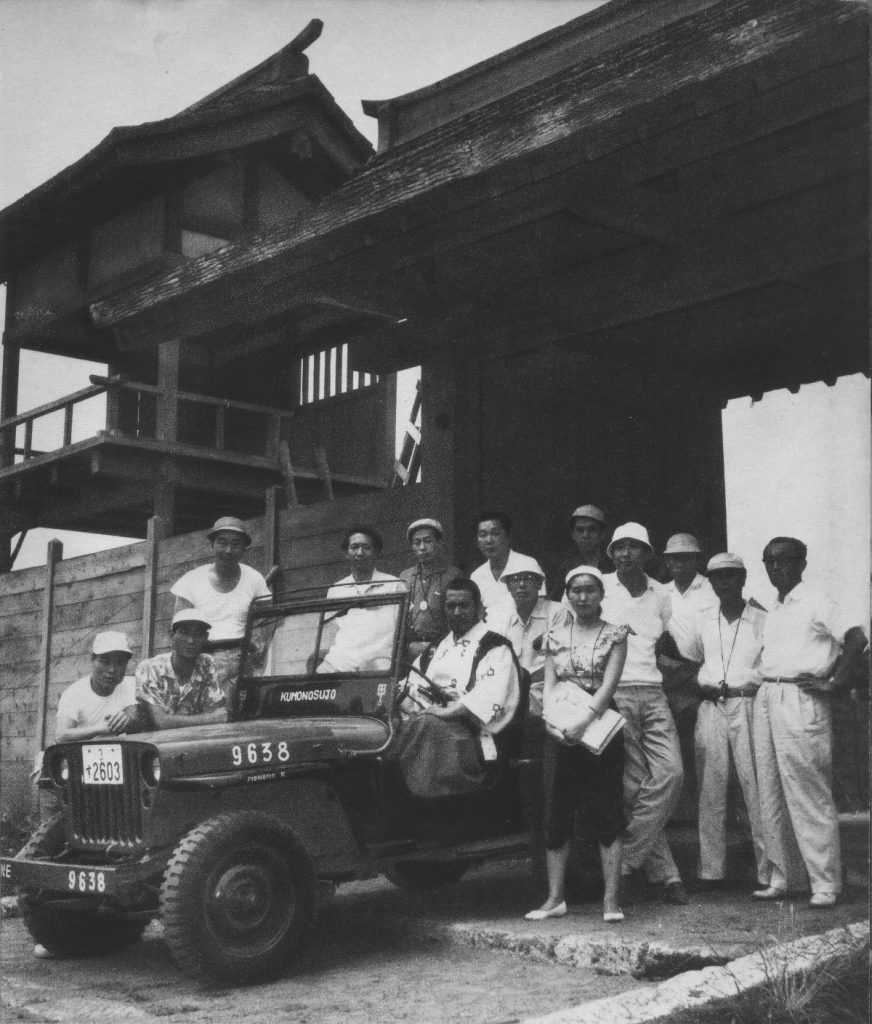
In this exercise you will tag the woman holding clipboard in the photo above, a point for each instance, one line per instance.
(583, 663)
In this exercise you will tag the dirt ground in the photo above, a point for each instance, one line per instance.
(365, 964)
(462, 954)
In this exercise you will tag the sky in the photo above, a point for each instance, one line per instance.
(71, 70)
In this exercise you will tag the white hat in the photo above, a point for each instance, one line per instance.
(682, 544)
(419, 524)
(589, 512)
(586, 570)
(630, 531)
(190, 615)
(111, 643)
(725, 560)
(518, 564)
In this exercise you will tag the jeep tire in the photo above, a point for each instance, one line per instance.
(73, 932)
(238, 896)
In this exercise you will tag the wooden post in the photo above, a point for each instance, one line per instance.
(149, 587)
(274, 503)
(164, 502)
(9, 401)
(54, 553)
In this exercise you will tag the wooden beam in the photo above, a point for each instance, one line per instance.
(154, 534)
(54, 553)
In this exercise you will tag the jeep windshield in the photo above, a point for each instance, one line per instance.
(315, 653)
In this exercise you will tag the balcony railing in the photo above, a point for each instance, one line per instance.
(146, 412)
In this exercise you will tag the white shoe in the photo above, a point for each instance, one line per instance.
(769, 893)
(613, 916)
(41, 953)
(822, 899)
(541, 915)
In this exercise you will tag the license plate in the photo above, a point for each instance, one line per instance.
(102, 765)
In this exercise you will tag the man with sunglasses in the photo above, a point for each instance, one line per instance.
(807, 654)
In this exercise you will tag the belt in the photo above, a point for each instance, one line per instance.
(795, 680)
(722, 694)
(222, 645)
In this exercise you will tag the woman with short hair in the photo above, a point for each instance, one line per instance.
(588, 652)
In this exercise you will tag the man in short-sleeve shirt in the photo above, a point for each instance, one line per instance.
(180, 687)
(493, 534)
(103, 702)
(223, 592)
(726, 640)
(804, 638)
(653, 771)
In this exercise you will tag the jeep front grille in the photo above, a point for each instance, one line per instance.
(106, 814)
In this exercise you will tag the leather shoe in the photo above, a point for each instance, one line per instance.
(769, 893)
(822, 899)
(674, 892)
(541, 915)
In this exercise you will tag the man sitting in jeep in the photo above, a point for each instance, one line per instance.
(181, 688)
(472, 669)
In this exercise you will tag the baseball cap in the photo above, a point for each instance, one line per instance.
(725, 560)
(230, 524)
(418, 524)
(111, 643)
(190, 615)
(589, 512)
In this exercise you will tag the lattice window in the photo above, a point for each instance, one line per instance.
(326, 374)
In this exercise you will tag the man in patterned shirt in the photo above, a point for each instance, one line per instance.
(180, 688)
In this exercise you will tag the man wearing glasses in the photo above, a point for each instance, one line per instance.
(803, 640)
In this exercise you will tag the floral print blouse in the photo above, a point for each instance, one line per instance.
(582, 660)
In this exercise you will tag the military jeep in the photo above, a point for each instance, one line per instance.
(231, 832)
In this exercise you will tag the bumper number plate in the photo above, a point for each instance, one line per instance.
(102, 765)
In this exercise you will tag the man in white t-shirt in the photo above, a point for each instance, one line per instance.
(104, 702)
(361, 639)
(223, 591)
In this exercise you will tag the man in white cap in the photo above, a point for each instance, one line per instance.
(493, 534)
(180, 687)
(689, 594)
(223, 592)
(103, 702)
(727, 639)
(426, 580)
(587, 528)
(804, 639)
(653, 774)
(531, 617)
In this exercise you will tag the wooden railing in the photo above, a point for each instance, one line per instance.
(137, 410)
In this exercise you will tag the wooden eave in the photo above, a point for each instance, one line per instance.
(133, 163)
(602, 147)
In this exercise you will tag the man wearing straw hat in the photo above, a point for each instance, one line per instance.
(223, 592)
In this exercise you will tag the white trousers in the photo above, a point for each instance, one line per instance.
(724, 728)
(793, 749)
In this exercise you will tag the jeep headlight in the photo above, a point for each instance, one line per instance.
(58, 769)
(150, 767)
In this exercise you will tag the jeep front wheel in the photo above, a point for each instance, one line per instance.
(62, 926)
(237, 897)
